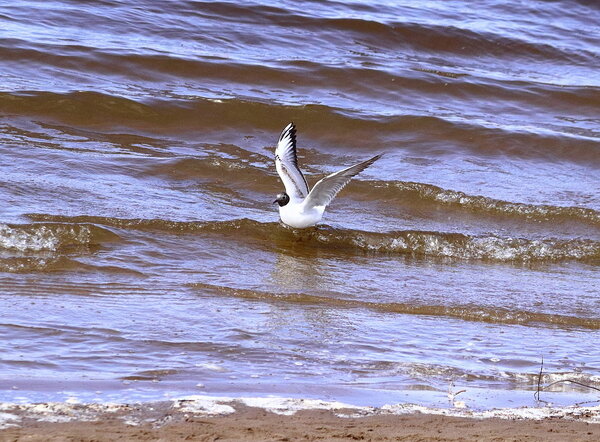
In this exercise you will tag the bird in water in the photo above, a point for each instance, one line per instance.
(300, 207)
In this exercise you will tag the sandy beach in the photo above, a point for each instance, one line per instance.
(449, 292)
(202, 419)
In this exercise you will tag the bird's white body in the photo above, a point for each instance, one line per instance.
(299, 206)
(296, 214)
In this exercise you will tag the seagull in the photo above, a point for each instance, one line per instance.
(300, 207)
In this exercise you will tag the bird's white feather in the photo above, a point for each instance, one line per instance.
(326, 189)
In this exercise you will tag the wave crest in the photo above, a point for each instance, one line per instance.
(430, 193)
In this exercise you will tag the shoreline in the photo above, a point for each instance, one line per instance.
(272, 418)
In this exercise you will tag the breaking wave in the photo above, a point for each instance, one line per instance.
(411, 191)
(52, 236)
(408, 242)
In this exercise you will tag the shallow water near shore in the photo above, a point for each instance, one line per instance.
(141, 257)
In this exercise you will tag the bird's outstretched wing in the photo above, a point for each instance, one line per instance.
(327, 188)
(286, 164)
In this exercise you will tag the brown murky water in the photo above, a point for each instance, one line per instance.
(140, 254)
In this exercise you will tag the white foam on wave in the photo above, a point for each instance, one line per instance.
(586, 414)
(40, 237)
(11, 413)
(289, 406)
(203, 405)
(8, 420)
(19, 239)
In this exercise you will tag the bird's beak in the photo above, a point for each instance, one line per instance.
(274, 202)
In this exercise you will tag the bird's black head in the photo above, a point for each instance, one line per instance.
(282, 199)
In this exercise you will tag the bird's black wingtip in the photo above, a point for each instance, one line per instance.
(289, 129)
(375, 158)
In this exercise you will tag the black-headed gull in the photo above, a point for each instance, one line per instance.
(300, 207)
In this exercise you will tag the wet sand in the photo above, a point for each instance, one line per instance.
(174, 422)
(257, 424)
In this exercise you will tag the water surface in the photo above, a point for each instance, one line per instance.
(140, 254)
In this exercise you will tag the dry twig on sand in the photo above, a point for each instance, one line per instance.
(541, 387)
